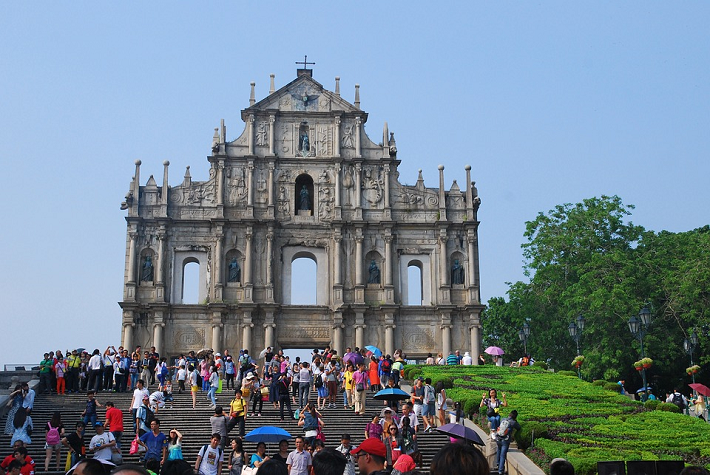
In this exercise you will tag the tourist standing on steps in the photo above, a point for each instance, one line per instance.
(213, 385)
(299, 461)
(237, 459)
(155, 442)
(114, 422)
(360, 381)
(493, 405)
(254, 383)
(219, 423)
(139, 392)
(503, 438)
(237, 412)
(211, 457)
(175, 445)
(304, 385)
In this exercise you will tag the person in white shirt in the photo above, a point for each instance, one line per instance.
(467, 360)
(95, 375)
(102, 443)
(209, 460)
(138, 394)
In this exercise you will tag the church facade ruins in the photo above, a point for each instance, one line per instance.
(303, 180)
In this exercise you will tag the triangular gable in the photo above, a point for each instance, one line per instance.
(302, 94)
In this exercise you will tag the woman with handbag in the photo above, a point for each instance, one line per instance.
(393, 445)
(360, 380)
(238, 457)
(256, 460)
(493, 405)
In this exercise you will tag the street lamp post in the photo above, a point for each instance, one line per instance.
(524, 334)
(689, 347)
(575, 331)
(639, 327)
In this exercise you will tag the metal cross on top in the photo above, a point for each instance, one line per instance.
(305, 62)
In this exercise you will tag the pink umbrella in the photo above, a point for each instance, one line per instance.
(494, 350)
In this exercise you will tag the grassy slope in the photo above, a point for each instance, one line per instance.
(582, 422)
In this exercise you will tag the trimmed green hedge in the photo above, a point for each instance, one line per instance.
(580, 421)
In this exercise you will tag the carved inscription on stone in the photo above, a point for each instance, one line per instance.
(316, 333)
(418, 338)
(192, 338)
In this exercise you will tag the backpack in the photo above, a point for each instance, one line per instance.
(244, 362)
(428, 394)
(319, 380)
(386, 366)
(149, 416)
(503, 430)
(204, 453)
(53, 435)
(678, 401)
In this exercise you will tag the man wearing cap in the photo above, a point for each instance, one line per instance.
(370, 456)
(102, 443)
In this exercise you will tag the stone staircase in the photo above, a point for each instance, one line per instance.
(195, 426)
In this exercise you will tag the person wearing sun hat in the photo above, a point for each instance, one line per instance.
(370, 457)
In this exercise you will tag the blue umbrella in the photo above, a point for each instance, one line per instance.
(391, 394)
(267, 434)
(375, 351)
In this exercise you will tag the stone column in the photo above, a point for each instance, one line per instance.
(158, 336)
(358, 258)
(443, 267)
(217, 331)
(389, 339)
(358, 190)
(471, 258)
(246, 331)
(271, 184)
(475, 342)
(387, 186)
(132, 256)
(220, 182)
(358, 126)
(250, 183)
(337, 278)
(247, 256)
(128, 335)
(250, 134)
(388, 259)
(442, 195)
(269, 334)
(218, 265)
(336, 137)
(269, 254)
(164, 191)
(469, 193)
(359, 335)
(159, 267)
(337, 339)
(272, 119)
(338, 168)
(446, 338)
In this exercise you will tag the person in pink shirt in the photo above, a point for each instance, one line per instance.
(360, 383)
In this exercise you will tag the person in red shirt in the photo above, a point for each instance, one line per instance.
(20, 454)
(114, 422)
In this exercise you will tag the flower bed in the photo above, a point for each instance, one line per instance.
(580, 421)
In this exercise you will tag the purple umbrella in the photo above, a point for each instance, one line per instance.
(350, 358)
(459, 431)
(494, 350)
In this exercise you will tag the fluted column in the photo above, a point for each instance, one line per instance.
(272, 119)
(471, 259)
(337, 278)
(360, 335)
(271, 184)
(132, 256)
(269, 253)
(269, 334)
(387, 186)
(220, 181)
(217, 331)
(388, 260)
(446, 339)
(358, 259)
(250, 134)
(336, 139)
(338, 168)
(358, 190)
(358, 127)
(443, 268)
(218, 265)
(248, 257)
(250, 184)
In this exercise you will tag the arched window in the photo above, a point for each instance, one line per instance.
(304, 278)
(415, 287)
(190, 282)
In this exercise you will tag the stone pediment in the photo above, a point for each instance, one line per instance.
(303, 94)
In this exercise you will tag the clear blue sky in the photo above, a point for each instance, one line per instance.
(549, 102)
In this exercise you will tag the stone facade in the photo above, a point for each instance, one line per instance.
(302, 180)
